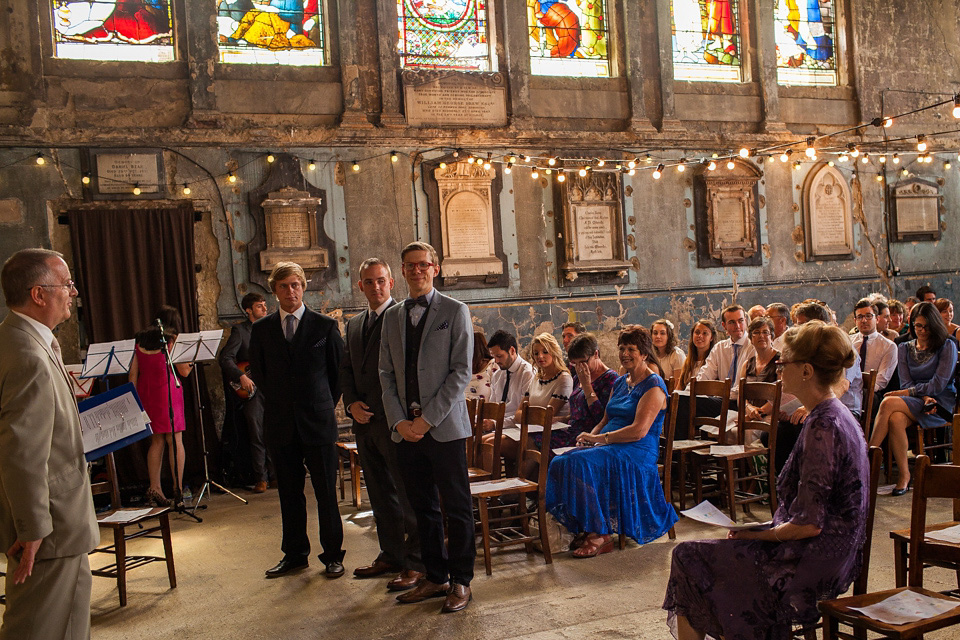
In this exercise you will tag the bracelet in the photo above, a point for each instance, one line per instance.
(775, 534)
(606, 438)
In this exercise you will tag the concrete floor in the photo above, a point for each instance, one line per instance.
(222, 592)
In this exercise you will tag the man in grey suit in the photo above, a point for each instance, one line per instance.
(363, 399)
(47, 522)
(425, 351)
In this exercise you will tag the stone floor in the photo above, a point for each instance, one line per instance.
(222, 592)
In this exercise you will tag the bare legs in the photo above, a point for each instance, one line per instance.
(893, 420)
(158, 442)
(686, 632)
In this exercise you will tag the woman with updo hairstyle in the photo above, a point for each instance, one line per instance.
(758, 583)
(665, 347)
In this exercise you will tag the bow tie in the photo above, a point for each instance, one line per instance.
(410, 303)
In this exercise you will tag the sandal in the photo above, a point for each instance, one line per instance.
(591, 549)
(157, 498)
(578, 541)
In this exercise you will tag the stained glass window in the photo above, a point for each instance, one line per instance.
(445, 34)
(287, 32)
(130, 30)
(706, 40)
(806, 42)
(569, 38)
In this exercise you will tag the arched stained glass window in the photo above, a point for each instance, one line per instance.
(706, 40)
(285, 32)
(806, 42)
(445, 34)
(569, 38)
(130, 30)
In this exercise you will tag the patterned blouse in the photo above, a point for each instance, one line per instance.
(584, 417)
(541, 392)
(479, 385)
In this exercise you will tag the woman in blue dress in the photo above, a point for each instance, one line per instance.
(926, 367)
(610, 483)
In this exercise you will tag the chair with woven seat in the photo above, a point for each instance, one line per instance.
(486, 411)
(509, 523)
(683, 448)
(932, 481)
(122, 563)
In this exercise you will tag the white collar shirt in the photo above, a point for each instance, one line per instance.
(881, 355)
(717, 366)
(521, 375)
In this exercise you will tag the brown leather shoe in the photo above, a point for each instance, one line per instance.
(260, 487)
(458, 598)
(424, 590)
(407, 579)
(377, 568)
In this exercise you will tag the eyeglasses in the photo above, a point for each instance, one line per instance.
(783, 363)
(762, 332)
(422, 266)
(921, 327)
(866, 316)
(69, 286)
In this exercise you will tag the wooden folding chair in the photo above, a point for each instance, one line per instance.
(932, 481)
(866, 407)
(684, 448)
(487, 411)
(353, 471)
(734, 465)
(121, 561)
(901, 537)
(511, 523)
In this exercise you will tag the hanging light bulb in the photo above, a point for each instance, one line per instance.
(601, 162)
(40, 159)
(896, 158)
(956, 105)
(186, 189)
(811, 151)
(526, 158)
(744, 152)
(86, 178)
(648, 159)
(136, 189)
(619, 166)
(471, 159)
(512, 159)
(831, 163)
(312, 166)
(947, 165)
(731, 164)
(843, 157)
(879, 177)
(632, 172)
(887, 123)
(882, 159)
(785, 156)
(561, 177)
(271, 158)
(682, 166)
(548, 171)
(508, 169)
(456, 152)
(552, 161)
(534, 174)
(854, 151)
(356, 166)
(865, 159)
(393, 156)
(583, 172)
(715, 155)
(488, 163)
(632, 163)
(658, 171)
(796, 166)
(231, 177)
(904, 171)
(712, 166)
(921, 143)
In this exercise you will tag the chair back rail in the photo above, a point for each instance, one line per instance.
(543, 417)
(932, 481)
(494, 411)
(476, 431)
(709, 388)
(875, 457)
(866, 407)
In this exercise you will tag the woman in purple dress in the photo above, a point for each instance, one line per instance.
(756, 584)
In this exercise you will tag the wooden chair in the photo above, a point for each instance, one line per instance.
(348, 451)
(121, 561)
(734, 469)
(932, 481)
(473, 406)
(502, 529)
(664, 466)
(684, 448)
(940, 435)
(866, 407)
(487, 411)
(901, 538)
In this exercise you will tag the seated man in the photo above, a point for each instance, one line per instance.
(510, 381)
(874, 349)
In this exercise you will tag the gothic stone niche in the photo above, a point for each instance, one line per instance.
(451, 98)
(592, 249)
(289, 212)
(727, 216)
(917, 205)
(827, 215)
(465, 223)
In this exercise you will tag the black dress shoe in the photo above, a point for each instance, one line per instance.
(899, 492)
(334, 569)
(288, 564)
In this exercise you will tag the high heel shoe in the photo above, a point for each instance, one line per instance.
(591, 549)
(157, 498)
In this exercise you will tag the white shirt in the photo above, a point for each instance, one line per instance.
(881, 355)
(379, 310)
(521, 375)
(778, 342)
(717, 366)
(416, 312)
(45, 333)
(298, 315)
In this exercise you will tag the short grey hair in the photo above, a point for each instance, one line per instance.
(22, 271)
(372, 262)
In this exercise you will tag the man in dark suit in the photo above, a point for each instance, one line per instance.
(235, 352)
(425, 351)
(47, 523)
(295, 361)
(362, 398)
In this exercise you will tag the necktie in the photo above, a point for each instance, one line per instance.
(863, 354)
(732, 374)
(506, 388)
(289, 327)
(59, 355)
(371, 320)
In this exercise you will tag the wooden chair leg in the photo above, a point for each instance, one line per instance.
(772, 484)
(355, 478)
(622, 541)
(120, 552)
(731, 493)
(682, 479)
(830, 627)
(900, 562)
(544, 534)
(697, 480)
(168, 549)
(485, 532)
(524, 516)
(672, 534)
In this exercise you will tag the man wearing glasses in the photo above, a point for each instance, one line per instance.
(425, 351)
(876, 351)
(47, 522)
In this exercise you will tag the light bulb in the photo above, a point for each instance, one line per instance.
(956, 106)
(796, 166)
(744, 152)
(843, 157)
(486, 165)
(271, 158)
(548, 171)
(854, 151)
(443, 165)
(896, 159)
(731, 164)
(186, 189)
(946, 164)
(601, 162)
(681, 167)
(471, 159)
(552, 161)
(632, 172)
(312, 166)
(526, 158)
(456, 153)
(831, 163)
(509, 168)
(879, 177)
(561, 177)
(904, 171)
(231, 177)
(785, 156)
(811, 151)
(921, 143)
(887, 122)
(85, 179)
(534, 174)
(865, 159)
(711, 166)
(136, 189)
(632, 164)
(648, 159)
(582, 173)
(658, 171)
(393, 156)
(882, 159)
(356, 165)
(40, 159)
(512, 159)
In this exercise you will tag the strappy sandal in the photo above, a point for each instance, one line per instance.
(591, 549)
(578, 541)
(157, 498)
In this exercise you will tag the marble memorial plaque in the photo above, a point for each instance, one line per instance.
(917, 203)
(118, 173)
(728, 216)
(466, 221)
(290, 219)
(828, 215)
(434, 98)
(593, 227)
(593, 232)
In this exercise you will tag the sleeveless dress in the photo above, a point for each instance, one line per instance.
(614, 488)
(152, 389)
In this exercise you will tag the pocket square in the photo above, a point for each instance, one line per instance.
(442, 326)
(320, 343)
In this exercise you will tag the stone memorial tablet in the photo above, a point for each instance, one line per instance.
(290, 218)
(727, 215)
(593, 231)
(434, 98)
(828, 215)
(116, 173)
(917, 209)
(593, 239)
(466, 221)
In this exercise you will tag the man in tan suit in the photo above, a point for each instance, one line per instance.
(47, 521)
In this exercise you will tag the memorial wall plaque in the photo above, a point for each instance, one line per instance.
(466, 221)
(290, 218)
(727, 215)
(827, 215)
(592, 245)
(917, 205)
(454, 98)
(116, 172)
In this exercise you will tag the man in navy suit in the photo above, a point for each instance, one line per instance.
(425, 350)
(294, 360)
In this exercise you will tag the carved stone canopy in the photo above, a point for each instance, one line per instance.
(466, 221)
(290, 218)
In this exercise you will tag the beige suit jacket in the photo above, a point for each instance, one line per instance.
(44, 486)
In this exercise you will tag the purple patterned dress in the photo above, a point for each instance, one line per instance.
(755, 590)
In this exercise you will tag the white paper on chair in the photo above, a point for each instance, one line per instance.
(125, 515)
(907, 606)
(725, 449)
(506, 483)
(562, 450)
(512, 432)
(950, 534)
(707, 513)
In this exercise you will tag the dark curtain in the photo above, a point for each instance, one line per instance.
(128, 263)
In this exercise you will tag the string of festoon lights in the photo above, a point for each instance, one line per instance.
(808, 149)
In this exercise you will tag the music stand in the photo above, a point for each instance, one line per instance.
(108, 359)
(196, 348)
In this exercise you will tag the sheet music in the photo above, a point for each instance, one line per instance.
(907, 606)
(723, 450)
(196, 347)
(562, 450)
(125, 515)
(950, 534)
(707, 513)
(487, 485)
(111, 421)
(98, 358)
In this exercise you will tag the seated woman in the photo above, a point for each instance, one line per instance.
(757, 583)
(611, 483)
(945, 307)
(898, 313)
(926, 366)
(702, 338)
(762, 365)
(665, 347)
(483, 368)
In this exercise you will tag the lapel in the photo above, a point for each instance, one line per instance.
(355, 336)
(275, 328)
(429, 318)
(24, 326)
(375, 331)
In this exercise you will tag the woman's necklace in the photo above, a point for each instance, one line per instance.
(631, 387)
